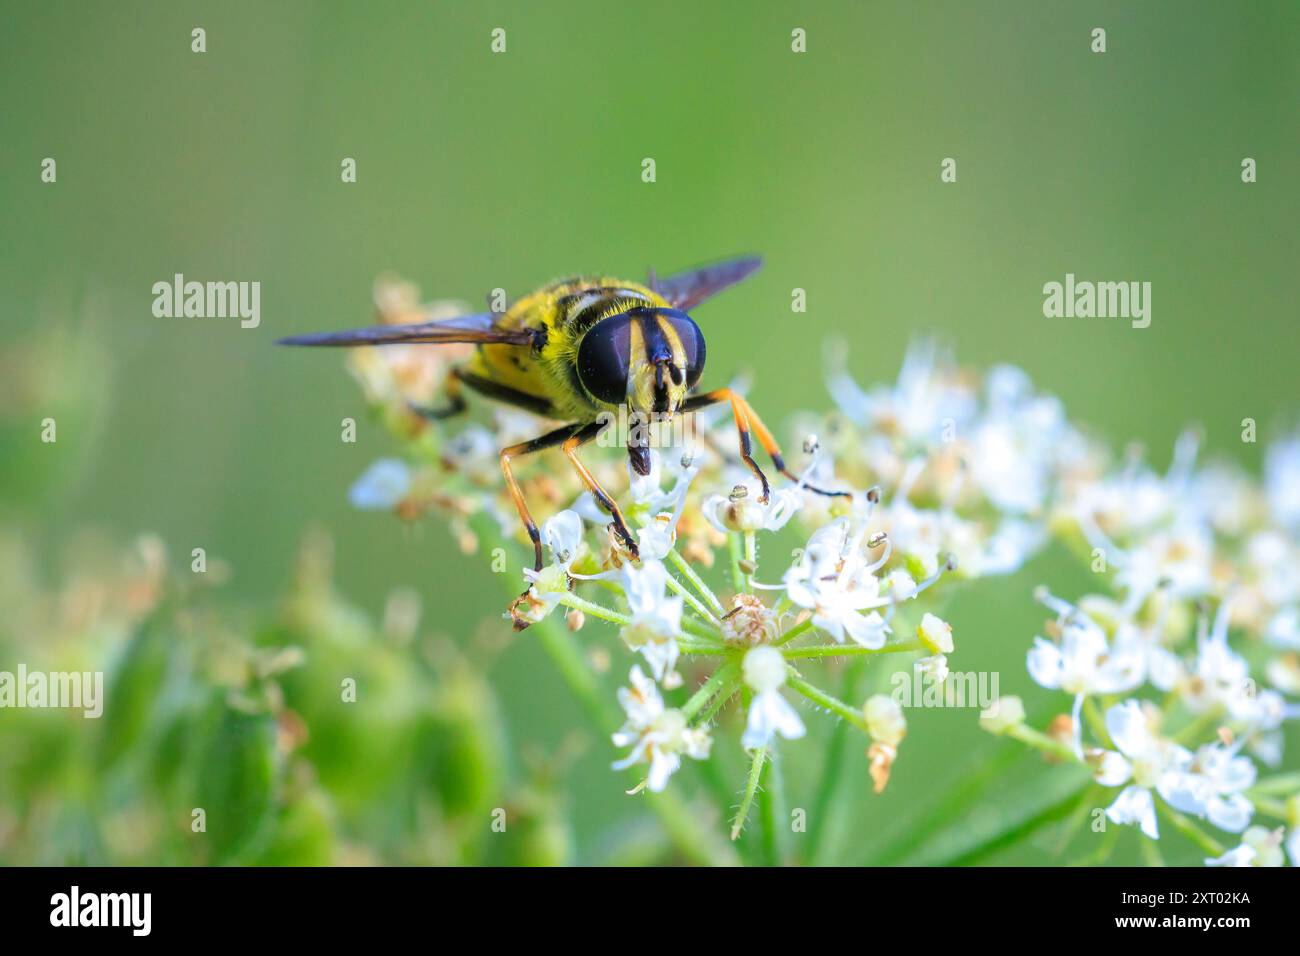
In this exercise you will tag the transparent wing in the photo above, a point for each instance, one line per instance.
(688, 289)
(479, 328)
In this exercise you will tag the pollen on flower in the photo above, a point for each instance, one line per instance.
(749, 622)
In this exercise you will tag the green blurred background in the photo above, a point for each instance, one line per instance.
(478, 170)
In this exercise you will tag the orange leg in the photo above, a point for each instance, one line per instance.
(572, 437)
(746, 418)
(571, 447)
(549, 440)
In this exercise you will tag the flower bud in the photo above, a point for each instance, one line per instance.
(885, 720)
(1003, 714)
(881, 758)
(764, 669)
(934, 667)
(740, 512)
(936, 634)
(750, 622)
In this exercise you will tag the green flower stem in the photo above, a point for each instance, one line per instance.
(709, 637)
(1272, 808)
(737, 576)
(719, 679)
(825, 700)
(801, 628)
(569, 599)
(1282, 785)
(1190, 830)
(1099, 856)
(692, 838)
(751, 788)
(832, 770)
(850, 650)
(771, 813)
(1199, 725)
(678, 588)
(723, 697)
(706, 635)
(751, 559)
(1089, 798)
(691, 575)
(1036, 738)
(1096, 722)
(1150, 852)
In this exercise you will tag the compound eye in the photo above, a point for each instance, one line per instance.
(603, 359)
(692, 339)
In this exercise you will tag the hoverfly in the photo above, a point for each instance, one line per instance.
(578, 349)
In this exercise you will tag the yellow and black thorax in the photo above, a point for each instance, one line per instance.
(598, 343)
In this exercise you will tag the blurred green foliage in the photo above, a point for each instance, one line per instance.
(306, 734)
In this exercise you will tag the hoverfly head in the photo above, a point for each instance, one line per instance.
(646, 358)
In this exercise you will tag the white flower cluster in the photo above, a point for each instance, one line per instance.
(946, 475)
(1199, 565)
(834, 585)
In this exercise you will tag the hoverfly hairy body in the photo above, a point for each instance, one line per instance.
(577, 350)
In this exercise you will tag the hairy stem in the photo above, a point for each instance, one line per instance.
(823, 699)
(751, 788)
(714, 685)
(1190, 830)
(850, 650)
(692, 838)
(737, 576)
(678, 588)
(697, 582)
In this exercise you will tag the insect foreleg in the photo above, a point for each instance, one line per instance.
(747, 418)
(549, 440)
(579, 438)
(738, 412)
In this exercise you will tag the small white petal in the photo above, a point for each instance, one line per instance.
(662, 766)
(869, 630)
(1045, 664)
(563, 535)
(1135, 805)
(1113, 770)
(1127, 726)
(1231, 813)
(770, 714)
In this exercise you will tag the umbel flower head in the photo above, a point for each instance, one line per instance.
(1181, 721)
(734, 606)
